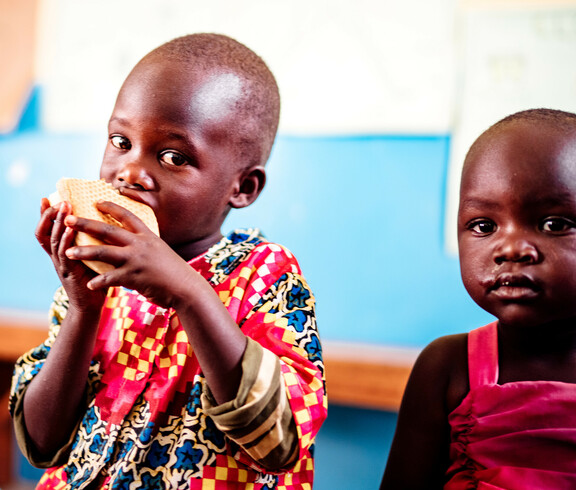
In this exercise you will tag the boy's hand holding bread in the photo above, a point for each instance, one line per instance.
(83, 196)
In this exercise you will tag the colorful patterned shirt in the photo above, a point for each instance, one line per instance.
(150, 420)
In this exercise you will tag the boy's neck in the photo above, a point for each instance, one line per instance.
(191, 250)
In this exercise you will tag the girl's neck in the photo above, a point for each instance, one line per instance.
(553, 337)
(545, 352)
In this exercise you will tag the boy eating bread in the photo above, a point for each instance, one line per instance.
(194, 362)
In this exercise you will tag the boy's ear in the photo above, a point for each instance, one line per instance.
(250, 185)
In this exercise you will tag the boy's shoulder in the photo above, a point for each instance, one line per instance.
(250, 250)
(242, 242)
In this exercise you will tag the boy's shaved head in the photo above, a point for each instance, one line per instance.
(560, 120)
(259, 107)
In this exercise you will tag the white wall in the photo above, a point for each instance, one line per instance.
(343, 66)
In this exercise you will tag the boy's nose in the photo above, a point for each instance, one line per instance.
(516, 247)
(134, 174)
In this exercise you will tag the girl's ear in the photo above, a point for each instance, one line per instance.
(250, 185)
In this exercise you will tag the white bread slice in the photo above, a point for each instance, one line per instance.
(83, 195)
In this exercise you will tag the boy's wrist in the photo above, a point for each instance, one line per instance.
(85, 313)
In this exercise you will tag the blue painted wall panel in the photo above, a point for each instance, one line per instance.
(39, 159)
(365, 218)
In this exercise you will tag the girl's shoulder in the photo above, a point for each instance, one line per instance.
(445, 361)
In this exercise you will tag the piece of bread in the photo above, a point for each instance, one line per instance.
(83, 195)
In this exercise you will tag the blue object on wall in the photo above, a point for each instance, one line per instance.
(30, 119)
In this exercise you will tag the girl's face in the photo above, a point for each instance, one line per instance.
(517, 225)
(171, 146)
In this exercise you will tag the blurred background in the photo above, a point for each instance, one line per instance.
(380, 100)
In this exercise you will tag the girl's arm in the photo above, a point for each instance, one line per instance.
(419, 456)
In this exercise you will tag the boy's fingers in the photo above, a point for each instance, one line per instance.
(50, 226)
(96, 253)
(128, 219)
(67, 239)
(44, 227)
(99, 282)
(44, 205)
(105, 232)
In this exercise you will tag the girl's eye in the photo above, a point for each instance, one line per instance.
(482, 227)
(557, 225)
(173, 158)
(120, 142)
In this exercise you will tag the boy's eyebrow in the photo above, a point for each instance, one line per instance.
(169, 134)
(119, 120)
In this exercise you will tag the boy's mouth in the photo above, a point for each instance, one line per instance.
(132, 192)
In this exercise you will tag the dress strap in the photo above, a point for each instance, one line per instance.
(483, 355)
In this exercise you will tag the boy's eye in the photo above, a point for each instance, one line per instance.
(173, 158)
(120, 142)
(557, 225)
(482, 227)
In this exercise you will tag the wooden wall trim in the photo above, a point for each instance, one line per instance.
(19, 332)
(366, 375)
(362, 375)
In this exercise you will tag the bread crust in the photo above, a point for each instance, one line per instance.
(83, 195)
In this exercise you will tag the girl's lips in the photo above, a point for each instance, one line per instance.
(509, 287)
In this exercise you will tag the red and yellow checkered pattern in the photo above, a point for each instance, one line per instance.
(146, 419)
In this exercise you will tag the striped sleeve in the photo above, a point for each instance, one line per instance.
(259, 419)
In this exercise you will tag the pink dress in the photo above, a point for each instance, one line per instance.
(515, 436)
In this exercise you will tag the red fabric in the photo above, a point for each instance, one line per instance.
(515, 436)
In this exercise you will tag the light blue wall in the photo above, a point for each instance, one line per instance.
(364, 215)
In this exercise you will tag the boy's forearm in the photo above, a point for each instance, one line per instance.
(216, 339)
(53, 400)
(260, 418)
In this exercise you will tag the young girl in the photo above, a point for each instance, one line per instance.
(496, 408)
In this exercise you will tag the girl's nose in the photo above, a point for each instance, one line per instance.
(516, 247)
(134, 174)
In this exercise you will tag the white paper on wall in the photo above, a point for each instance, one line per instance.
(510, 60)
